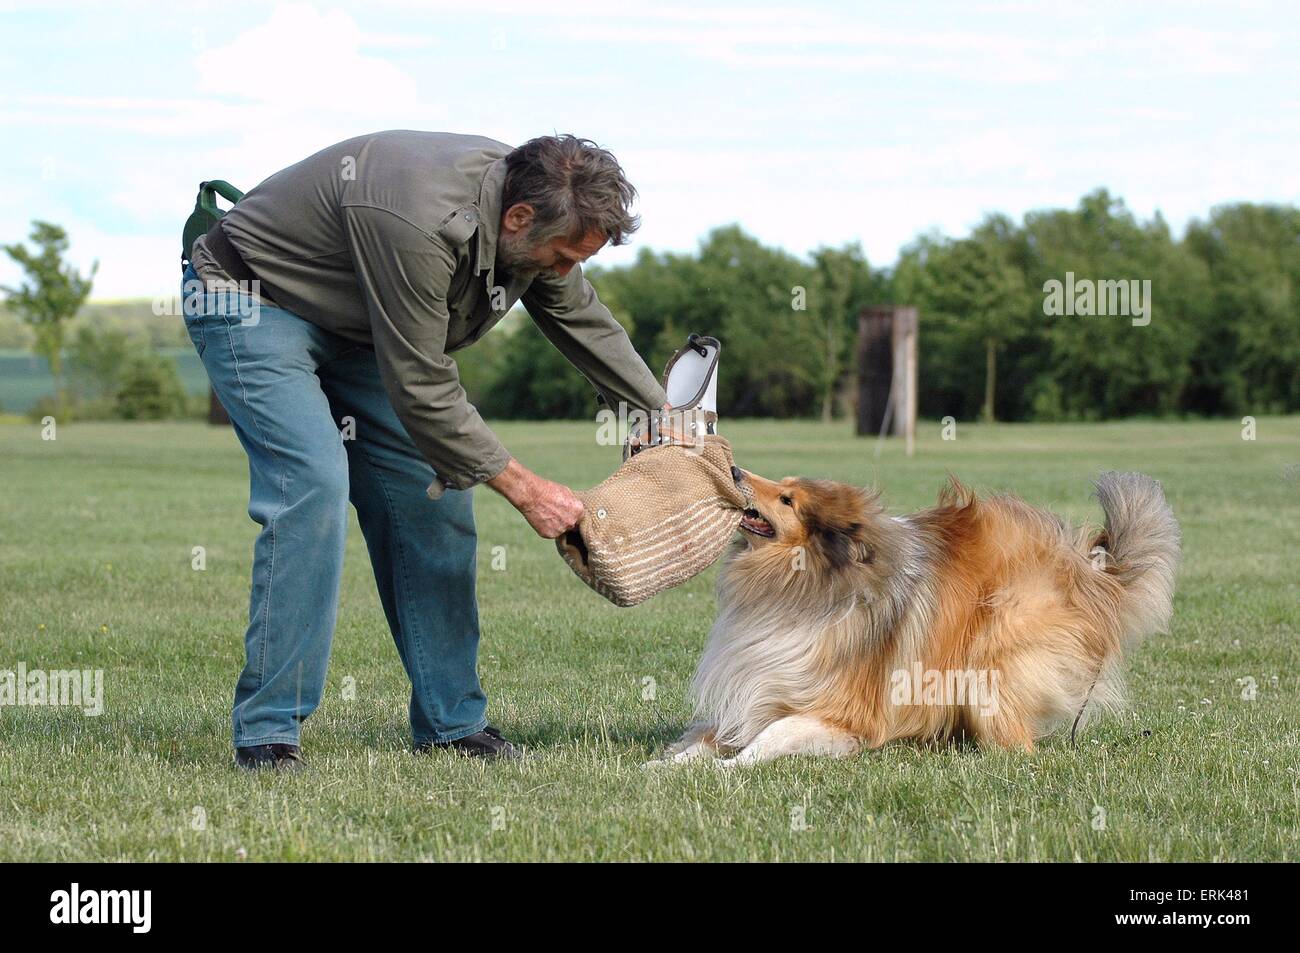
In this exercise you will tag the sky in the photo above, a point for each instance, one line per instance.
(808, 124)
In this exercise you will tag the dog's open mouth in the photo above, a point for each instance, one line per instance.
(753, 522)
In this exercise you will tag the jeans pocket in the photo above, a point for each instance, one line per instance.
(193, 307)
(194, 327)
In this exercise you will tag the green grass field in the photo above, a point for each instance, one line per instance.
(96, 533)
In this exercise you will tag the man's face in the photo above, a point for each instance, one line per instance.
(523, 258)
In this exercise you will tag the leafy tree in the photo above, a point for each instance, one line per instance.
(973, 303)
(51, 295)
(741, 292)
(1249, 350)
(535, 381)
(841, 286)
(663, 297)
(150, 389)
(96, 360)
(1099, 367)
(748, 289)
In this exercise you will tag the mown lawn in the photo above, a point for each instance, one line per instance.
(96, 533)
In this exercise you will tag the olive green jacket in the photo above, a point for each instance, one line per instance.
(390, 240)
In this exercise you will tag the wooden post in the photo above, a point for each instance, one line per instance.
(875, 362)
(216, 413)
(887, 378)
(904, 376)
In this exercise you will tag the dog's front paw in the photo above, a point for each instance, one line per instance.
(741, 759)
(689, 754)
(696, 752)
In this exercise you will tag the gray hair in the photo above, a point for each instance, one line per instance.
(574, 186)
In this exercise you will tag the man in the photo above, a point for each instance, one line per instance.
(375, 259)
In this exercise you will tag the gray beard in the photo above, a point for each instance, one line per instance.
(513, 257)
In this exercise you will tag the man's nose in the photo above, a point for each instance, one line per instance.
(564, 269)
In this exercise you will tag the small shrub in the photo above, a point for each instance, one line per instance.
(150, 389)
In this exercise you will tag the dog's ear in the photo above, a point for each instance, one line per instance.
(837, 518)
(845, 546)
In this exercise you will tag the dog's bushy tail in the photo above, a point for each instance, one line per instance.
(1144, 542)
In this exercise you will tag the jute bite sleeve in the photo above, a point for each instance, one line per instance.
(662, 518)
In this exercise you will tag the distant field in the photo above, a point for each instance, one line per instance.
(96, 531)
(25, 378)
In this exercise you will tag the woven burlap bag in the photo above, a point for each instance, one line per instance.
(662, 518)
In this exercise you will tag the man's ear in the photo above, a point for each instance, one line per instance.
(517, 218)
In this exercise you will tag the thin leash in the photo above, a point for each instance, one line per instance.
(1088, 697)
(1084, 707)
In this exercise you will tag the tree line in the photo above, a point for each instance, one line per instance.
(1221, 333)
(1017, 322)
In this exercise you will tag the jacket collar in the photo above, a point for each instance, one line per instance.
(489, 218)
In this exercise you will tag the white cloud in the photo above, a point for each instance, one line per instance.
(304, 58)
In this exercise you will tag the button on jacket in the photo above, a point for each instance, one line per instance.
(390, 240)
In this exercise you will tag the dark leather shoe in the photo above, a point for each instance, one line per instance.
(486, 744)
(277, 757)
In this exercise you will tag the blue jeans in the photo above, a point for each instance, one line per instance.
(289, 388)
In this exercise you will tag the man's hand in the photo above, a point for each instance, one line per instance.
(550, 508)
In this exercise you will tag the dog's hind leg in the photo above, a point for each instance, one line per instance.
(796, 734)
(1004, 731)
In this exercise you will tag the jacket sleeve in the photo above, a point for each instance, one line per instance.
(571, 316)
(404, 276)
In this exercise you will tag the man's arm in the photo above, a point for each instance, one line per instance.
(568, 312)
(404, 276)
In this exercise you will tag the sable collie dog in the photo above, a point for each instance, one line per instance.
(841, 627)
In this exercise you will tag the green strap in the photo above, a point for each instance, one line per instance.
(208, 192)
(206, 212)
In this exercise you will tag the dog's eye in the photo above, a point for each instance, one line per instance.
(787, 501)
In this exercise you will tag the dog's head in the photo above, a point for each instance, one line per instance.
(834, 523)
